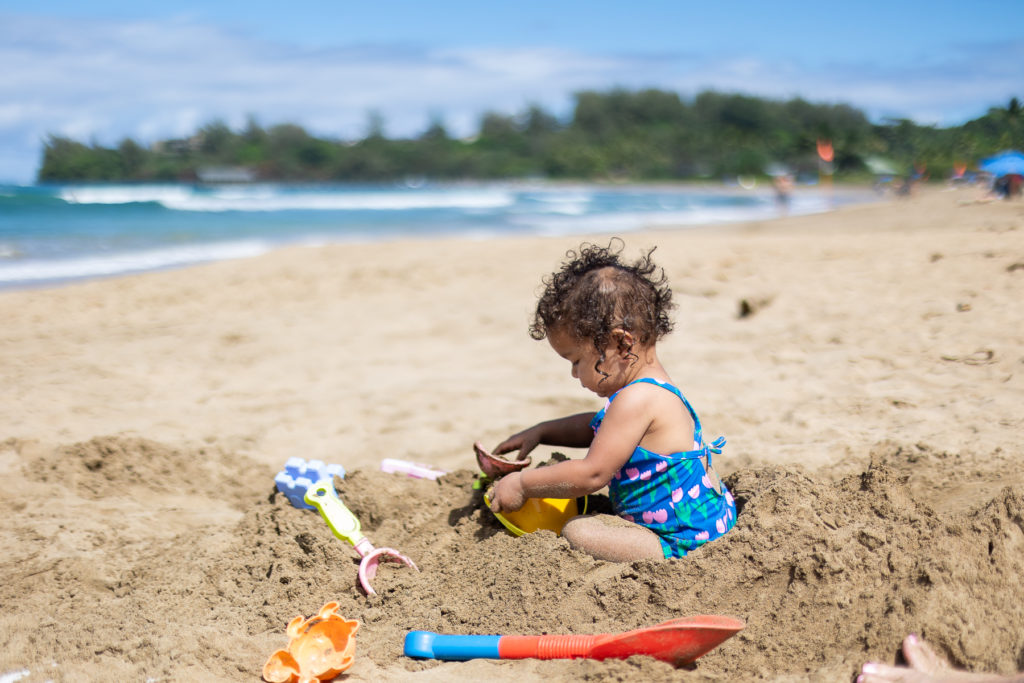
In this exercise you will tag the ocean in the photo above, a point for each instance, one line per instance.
(52, 234)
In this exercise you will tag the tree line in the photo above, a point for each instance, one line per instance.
(616, 135)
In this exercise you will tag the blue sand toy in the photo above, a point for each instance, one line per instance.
(298, 475)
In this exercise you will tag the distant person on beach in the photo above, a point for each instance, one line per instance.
(904, 187)
(926, 666)
(917, 175)
(646, 444)
(1001, 187)
(1011, 184)
(783, 184)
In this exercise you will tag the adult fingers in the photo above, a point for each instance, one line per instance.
(873, 672)
(922, 657)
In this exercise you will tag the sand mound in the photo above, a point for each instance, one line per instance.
(825, 573)
(110, 466)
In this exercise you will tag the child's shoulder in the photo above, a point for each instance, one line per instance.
(659, 406)
(654, 385)
(650, 391)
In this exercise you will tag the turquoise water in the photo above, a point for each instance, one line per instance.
(57, 233)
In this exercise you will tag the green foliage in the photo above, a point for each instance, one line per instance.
(620, 134)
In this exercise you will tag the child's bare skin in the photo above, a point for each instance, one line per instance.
(608, 537)
(607, 453)
(604, 317)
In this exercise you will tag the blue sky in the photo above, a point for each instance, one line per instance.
(104, 70)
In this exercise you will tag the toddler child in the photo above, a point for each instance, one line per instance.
(605, 317)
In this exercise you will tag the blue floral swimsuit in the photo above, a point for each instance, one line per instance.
(673, 495)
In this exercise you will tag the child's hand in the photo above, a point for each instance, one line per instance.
(508, 494)
(524, 442)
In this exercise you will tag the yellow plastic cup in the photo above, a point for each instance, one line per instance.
(540, 513)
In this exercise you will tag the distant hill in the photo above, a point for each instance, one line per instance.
(616, 135)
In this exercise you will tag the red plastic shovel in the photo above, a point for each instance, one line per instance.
(677, 641)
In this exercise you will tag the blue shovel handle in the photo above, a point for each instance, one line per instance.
(429, 645)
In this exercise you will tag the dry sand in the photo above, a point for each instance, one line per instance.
(871, 396)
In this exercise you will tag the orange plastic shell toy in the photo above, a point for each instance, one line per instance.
(319, 648)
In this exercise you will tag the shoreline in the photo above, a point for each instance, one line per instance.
(159, 227)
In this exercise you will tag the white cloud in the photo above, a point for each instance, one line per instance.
(106, 80)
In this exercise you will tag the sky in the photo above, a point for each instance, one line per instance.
(105, 70)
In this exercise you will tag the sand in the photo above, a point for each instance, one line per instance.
(866, 367)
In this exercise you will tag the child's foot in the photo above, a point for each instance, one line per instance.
(609, 537)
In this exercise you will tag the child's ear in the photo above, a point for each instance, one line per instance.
(623, 340)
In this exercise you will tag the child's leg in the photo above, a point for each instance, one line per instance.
(608, 537)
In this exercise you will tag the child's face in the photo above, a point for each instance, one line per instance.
(584, 358)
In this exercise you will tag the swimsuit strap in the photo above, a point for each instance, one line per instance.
(697, 430)
(704, 449)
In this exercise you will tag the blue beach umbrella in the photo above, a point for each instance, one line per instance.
(1004, 163)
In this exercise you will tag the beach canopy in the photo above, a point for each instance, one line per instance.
(1004, 163)
(880, 166)
(776, 169)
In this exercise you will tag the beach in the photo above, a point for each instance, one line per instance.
(865, 365)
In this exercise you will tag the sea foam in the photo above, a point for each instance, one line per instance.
(276, 198)
(99, 265)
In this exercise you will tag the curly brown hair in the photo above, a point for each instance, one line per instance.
(595, 292)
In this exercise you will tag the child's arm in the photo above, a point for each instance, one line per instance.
(573, 432)
(624, 425)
